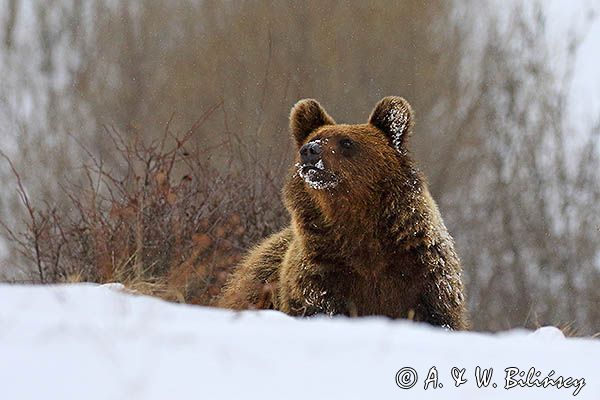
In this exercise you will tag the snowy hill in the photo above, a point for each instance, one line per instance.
(94, 342)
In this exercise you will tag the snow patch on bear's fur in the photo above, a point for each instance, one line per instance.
(312, 178)
(398, 122)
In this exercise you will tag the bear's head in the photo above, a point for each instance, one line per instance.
(339, 158)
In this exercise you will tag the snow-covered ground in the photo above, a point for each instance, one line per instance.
(93, 342)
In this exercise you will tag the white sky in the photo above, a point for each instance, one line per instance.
(562, 15)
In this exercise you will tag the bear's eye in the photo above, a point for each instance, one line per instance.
(346, 143)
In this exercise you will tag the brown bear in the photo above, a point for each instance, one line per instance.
(366, 237)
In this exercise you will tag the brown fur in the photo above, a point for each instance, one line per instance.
(373, 244)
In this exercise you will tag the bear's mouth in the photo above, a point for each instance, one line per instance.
(316, 176)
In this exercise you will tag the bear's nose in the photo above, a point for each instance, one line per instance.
(310, 153)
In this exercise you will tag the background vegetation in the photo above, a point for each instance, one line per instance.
(148, 140)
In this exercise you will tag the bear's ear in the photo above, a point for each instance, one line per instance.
(394, 116)
(306, 116)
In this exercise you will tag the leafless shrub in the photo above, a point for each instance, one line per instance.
(165, 222)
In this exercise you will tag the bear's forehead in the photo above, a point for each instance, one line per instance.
(341, 130)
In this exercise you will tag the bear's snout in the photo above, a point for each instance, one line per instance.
(310, 153)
